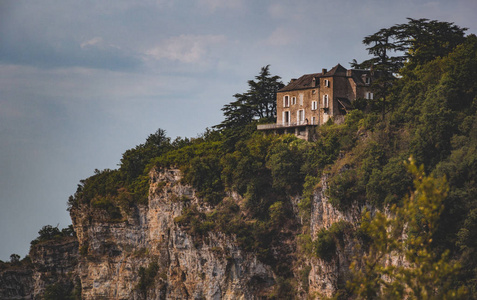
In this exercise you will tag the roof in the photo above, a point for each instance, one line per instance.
(304, 82)
(344, 103)
(337, 70)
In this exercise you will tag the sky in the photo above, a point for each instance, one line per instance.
(83, 81)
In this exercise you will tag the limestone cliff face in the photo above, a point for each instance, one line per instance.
(326, 278)
(149, 256)
(16, 283)
(53, 262)
(114, 255)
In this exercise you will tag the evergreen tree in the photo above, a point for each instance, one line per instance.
(415, 43)
(259, 102)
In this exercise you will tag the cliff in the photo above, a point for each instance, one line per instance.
(148, 255)
(16, 282)
(50, 268)
(114, 255)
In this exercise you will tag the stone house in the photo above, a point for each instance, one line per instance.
(313, 99)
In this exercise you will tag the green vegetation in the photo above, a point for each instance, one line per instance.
(258, 103)
(116, 191)
(329, 240)
(427, 112)
(147, 277)
(66, 290)
(48, 232)
(427, 273)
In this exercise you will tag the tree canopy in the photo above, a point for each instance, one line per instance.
(407, 233)
(413, 43)
(259, 102)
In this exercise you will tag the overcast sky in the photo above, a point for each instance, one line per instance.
(83, 81)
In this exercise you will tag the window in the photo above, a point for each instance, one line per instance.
(325, 101)
(314, 105)
(293, 100)
(313, 92)
(367, 80)
(286, 101)
(369, 95)
(300, 116)
(327, 83)
(286, 118)
(313, 120)
(301, 99)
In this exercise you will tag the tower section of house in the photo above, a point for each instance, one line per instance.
(313, 99)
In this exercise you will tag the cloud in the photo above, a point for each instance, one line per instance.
(93, 53)
(278, 10)
(92, 42)
(281, 37)
(186, 48)
(214, 5)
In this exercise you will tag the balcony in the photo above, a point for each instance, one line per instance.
(284, 125)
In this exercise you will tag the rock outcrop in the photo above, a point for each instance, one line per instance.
(147, 255)
(16, 282)
(51, 264)
(327, 277)
(115, 256)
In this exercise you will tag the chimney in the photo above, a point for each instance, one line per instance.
(349, 73)
(292, 80)
(323, 71)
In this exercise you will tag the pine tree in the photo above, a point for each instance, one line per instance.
(258, 103)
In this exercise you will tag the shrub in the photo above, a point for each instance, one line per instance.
(344, 189)
(325, 245)
(328, 240)
(146, 277)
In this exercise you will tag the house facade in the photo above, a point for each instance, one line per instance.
(313, 99)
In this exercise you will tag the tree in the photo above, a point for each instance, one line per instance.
(48, 232)
(134, 161)
(259, 102)
(424, 39)
(417, 42)
(382, 65)
(14, 258)
(407, 233)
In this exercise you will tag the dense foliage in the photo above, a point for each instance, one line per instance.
(48, 232)
(431, 116)
(407, 233)
(65, 290)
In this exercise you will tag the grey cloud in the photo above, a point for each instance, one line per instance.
(65, 53)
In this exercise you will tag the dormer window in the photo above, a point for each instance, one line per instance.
(327, 83)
